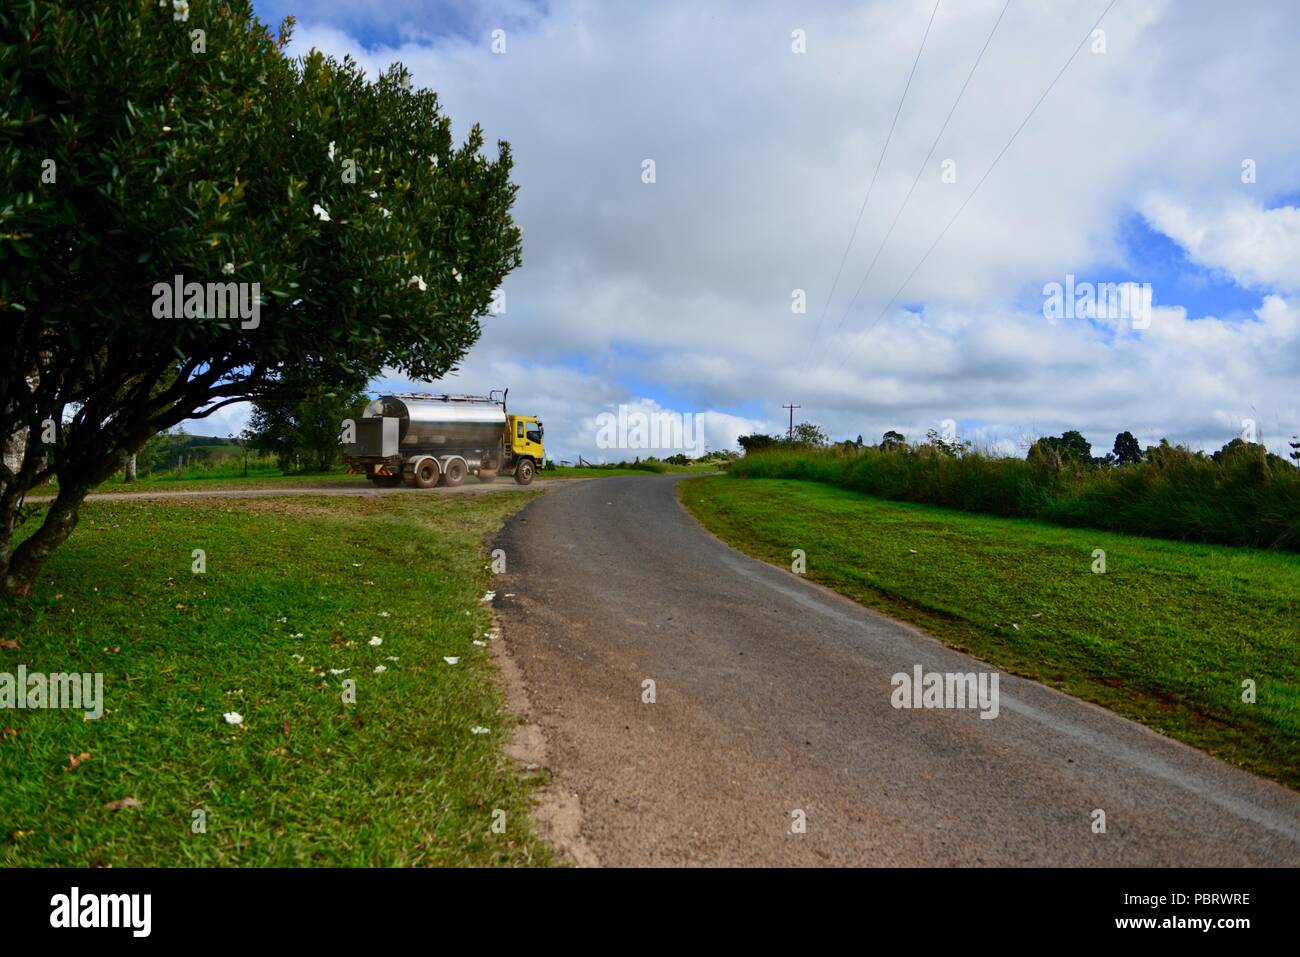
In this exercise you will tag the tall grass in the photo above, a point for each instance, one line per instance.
(1239, 500)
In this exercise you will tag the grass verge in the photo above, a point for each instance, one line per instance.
(293, 592)
(1165, 636)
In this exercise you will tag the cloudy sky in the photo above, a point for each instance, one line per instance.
(1166, 154)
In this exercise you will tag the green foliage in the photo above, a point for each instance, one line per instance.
(304, 434)
(755, 442)
(805, 435)
(809, 435)
(1068, 448)
(1238, 499)
(891, 442)
(1127, 451)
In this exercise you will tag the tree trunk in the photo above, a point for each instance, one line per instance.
(27, 559)
(129, 474)
(15, 447)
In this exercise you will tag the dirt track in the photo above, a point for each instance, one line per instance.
(363, 488)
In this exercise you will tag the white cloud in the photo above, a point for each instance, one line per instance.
(1258, 248)
(763, 157)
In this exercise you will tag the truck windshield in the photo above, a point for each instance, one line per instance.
(535, 434)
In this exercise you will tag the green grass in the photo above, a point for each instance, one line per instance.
(1166, 636)
(646, 468)
(579, 471)
(293, 588)
(260, 473)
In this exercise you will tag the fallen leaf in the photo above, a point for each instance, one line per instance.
(10, 644)
(121, 804)
(74, 762)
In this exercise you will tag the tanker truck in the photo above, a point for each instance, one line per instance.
(425, 440)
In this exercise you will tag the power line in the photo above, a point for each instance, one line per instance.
(790, 434)
(920, 170)
(867, 199)
(852, 352)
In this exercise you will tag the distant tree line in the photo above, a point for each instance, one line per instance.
(1053, 451)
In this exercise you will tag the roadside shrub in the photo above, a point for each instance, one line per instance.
(1240, 499)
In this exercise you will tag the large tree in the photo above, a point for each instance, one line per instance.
(142, 142)
(1127, 451)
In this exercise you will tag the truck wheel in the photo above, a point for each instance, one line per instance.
(524, 472)
(454, 474)
(427, 473)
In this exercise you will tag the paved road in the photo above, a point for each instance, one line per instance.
(773, 695)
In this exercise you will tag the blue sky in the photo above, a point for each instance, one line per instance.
(677, 294)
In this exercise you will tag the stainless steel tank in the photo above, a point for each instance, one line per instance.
(437, 423)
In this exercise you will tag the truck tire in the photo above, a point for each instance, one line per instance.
(454, 473)
(524, 472)
(427, 473)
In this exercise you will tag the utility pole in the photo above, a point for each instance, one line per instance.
(790, 434)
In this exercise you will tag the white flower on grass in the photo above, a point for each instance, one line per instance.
(339, 671)
(451, 661)
(331, 151)
(418, 281)
(391, 658)
(373, 195)
(233, 717)
(228, 269)
(376, 641)
(296, 634)
(380, 669)
(387, 214)
(385, 614)
(455, 273)
(433, 158)
(478, 729)
(299, 658)
(180, 10)
(481, 644)
(321, 213)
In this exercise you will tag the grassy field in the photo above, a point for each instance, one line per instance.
(1165, 636)
(214, 479)
(293, 592)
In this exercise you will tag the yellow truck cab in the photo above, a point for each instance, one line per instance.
(526, 438)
